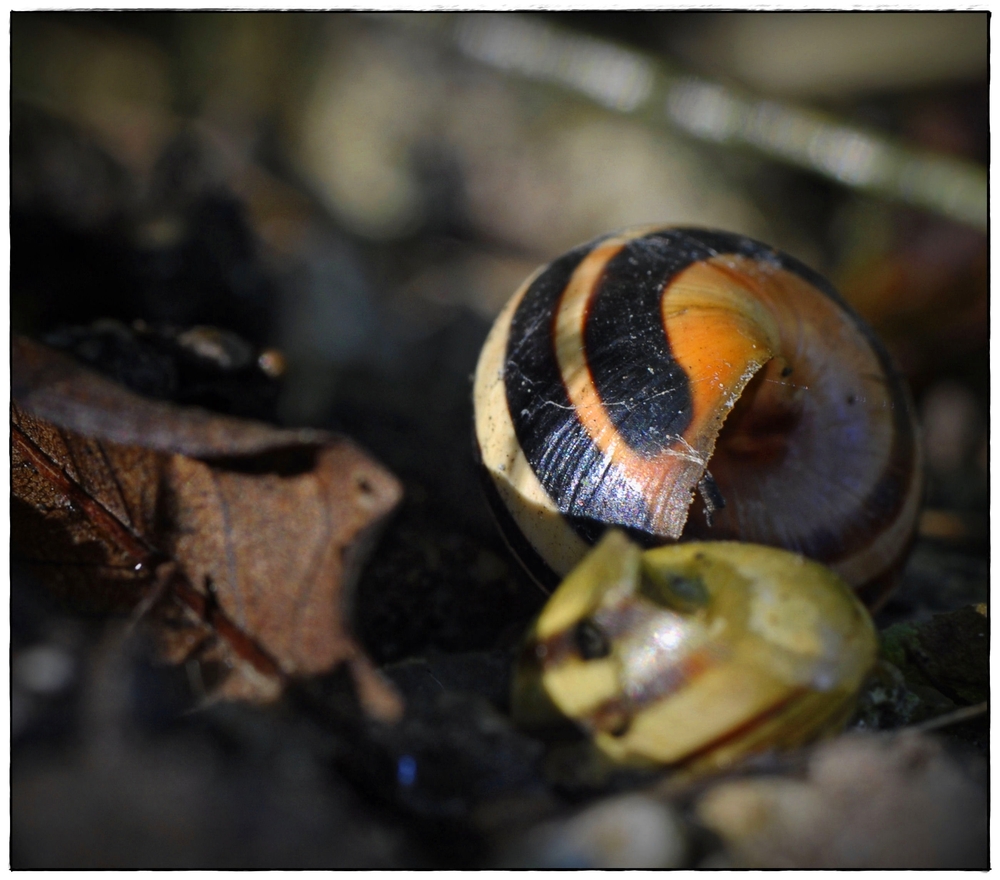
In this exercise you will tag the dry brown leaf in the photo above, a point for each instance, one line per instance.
(254, 533)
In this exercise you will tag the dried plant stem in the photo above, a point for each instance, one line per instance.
(113, 528)
(966, 713)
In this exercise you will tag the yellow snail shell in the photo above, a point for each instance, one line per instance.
(695, 654)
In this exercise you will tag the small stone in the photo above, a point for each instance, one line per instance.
(630, 832)
(952, 423)
(43, 669)
(870, 802)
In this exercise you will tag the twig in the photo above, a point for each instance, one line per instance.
(630, 82)
(949, 718)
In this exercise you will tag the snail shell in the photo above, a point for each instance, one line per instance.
(695, 654)
(643, 366)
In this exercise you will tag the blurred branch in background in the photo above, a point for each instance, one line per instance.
(341, 185)
(533, 134)
(630, 82)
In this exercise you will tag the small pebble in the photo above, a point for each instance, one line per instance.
(223, 348)
(627, 832)
(42, 669)
(952, 425)
(870, 802)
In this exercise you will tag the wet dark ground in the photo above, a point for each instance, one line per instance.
(116, 765)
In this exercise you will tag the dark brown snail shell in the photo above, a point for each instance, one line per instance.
(690, 384)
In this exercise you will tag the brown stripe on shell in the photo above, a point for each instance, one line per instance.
(657, 476)
(615, 715)
(731, 736)
(667, 479)
(616, 622)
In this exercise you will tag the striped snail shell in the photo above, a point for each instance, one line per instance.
(688, 384)
(695, 654)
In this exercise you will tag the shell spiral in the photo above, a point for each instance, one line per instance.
(693, 384)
